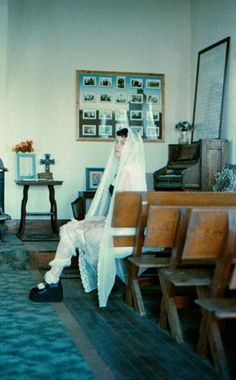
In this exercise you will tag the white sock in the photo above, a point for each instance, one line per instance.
(53, 275)
(41, 285)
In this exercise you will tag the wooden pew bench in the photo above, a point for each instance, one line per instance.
(209, 236)
(164, 198)
(131, 211)
(215, 309)
(157, 237)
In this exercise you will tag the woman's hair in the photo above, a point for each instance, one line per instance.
(122, 132)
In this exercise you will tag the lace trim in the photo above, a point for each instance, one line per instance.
(84, 273)
(66, 234)
(106, 271)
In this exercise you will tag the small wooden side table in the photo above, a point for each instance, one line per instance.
(53, 210)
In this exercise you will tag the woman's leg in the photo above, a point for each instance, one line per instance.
(87, 236)
(51, 289)
(61, 260)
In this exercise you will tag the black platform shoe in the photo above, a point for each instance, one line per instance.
(51, 293)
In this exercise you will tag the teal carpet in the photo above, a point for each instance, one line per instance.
(13, 254)
(34, 342)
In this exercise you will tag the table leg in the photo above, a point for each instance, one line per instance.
(21, 228)
(53, 209)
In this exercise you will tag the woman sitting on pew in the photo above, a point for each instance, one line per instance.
(124, 171)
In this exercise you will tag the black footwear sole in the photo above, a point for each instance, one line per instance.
(51, 293)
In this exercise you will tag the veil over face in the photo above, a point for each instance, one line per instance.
(130, 165)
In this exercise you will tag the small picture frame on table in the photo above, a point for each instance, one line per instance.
(93, 178)
(25, 166)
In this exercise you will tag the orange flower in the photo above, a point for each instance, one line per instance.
(24, 146)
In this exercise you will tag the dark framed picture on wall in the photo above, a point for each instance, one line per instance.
(108, 101)
(93, 178)
(209, 91)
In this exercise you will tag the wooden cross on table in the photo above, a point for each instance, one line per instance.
(47, 162)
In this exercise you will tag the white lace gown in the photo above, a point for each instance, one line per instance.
(86, 236)
(99, 262)
(89, 235)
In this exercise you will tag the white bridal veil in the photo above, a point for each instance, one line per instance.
(130, 165)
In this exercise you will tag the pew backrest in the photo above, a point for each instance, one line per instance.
(206, 233)
(191, 198)
(131, 211)
(162, 226)
(127, 208)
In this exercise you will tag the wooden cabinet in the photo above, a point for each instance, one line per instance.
(214, 157)
(192, 166)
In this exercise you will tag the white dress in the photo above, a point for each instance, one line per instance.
(93, 236)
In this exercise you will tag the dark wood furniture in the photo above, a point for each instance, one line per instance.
(79, 205)
(192, 166)
(53, 209)
(166, 198)
(159, 229)
(217, 308)
(191, 267)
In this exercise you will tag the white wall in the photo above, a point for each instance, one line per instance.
(47, 41)
(3, 57)
(212, 21)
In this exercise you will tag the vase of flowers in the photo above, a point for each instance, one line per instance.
(184, 127)
(24, 147)
(25, 160)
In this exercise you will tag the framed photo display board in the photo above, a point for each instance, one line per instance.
(108, 101)
(209, 91)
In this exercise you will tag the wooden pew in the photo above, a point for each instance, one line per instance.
(165, 198)
(161, 235)
(215, 309)
(209, 236)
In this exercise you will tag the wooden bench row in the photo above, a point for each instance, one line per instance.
(192, 241)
